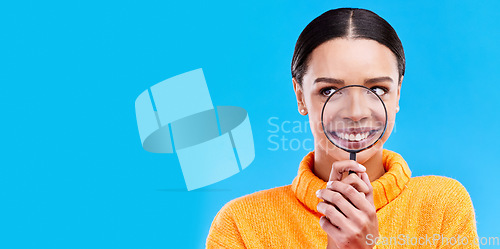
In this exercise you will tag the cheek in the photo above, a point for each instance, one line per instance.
(315, 122)
(314, 113)
(391, 119)
(314, 107)
(322, 143)
(390, 126)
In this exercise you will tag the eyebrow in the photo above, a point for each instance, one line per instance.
(338, 81)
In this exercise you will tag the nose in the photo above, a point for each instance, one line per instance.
(357, 108)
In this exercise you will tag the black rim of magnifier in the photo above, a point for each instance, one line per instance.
(323, 125)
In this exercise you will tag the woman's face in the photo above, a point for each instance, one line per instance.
(340, 62)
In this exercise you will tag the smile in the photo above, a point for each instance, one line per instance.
(353, 137)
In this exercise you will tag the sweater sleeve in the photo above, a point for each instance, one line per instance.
(224, 231)
(458, 229)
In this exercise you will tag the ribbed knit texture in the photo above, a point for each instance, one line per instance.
(407, 209)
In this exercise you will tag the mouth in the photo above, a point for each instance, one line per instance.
(355, 138)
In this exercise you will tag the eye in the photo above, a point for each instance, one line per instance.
(380, 91)
(327, 91)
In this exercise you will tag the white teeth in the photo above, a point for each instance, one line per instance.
(351, 137)
(364, 135)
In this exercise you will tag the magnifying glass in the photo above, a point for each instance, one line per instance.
(354, 118)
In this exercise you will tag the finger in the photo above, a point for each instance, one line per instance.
(355, 181)
(350, 193)
(352, 172)
(339, 201)
(334, 216)
(339, 167)
(336, 233)
(326, 225)
(369, 195)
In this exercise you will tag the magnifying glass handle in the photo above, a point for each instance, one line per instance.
(352, 157)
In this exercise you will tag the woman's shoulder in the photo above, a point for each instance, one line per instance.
(438, 189)
(263, 211)
(259, 202)
(262, 197)
(434, 182)
(443, 199)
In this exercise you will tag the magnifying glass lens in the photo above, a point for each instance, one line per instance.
(354, 118)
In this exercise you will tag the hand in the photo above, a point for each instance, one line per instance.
(348, 207)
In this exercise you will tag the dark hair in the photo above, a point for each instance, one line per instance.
(349, 23)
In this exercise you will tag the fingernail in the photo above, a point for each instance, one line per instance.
(361, 166)
(317, 193)
(329, 184)
(320, 208)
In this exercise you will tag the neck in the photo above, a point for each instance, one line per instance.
(323, 165)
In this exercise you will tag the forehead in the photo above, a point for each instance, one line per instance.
(352, 59)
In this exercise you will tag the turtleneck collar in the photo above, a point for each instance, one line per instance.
(385, 189)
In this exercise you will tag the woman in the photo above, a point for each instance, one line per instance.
(325, 207)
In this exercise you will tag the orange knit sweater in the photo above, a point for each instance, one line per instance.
(418, 212)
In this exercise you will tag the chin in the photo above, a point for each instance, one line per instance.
(337, 154)
(365, 155)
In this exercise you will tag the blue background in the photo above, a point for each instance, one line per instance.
(73, 173)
